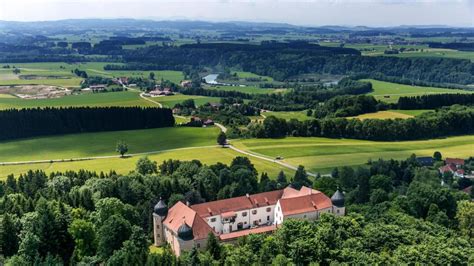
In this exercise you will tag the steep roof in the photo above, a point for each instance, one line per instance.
(180, 213)
(448, 168)
(237, 204)
(305, 202)
(455, 161)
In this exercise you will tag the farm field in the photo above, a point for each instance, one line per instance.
(126, 98)
(246, 89)
(299, 115)
(207, 155)
(391, 114)
(445, 53)
(323, 154)
(243, 74)
(395, 91)
(170, 101)
(64, 76)
(103, 143)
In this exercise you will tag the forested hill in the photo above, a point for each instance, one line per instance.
(284, 60)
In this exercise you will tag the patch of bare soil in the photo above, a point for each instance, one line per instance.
(35, 91)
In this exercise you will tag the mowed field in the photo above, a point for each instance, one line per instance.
(390, 92)
(170, 101)
(59, 74)
(125, 98)
(299, 115)
(179, 143)
(391, 114)
(323, 154)
(245, 89)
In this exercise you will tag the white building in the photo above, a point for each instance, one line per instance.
(184, 227)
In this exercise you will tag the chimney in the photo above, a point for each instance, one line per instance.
(247, 195)
(187, 203)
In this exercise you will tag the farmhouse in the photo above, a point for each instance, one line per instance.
(184, 226)
(186, 83)
(453, 166)
(100, 87)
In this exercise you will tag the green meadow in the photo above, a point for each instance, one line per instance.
(299, 115)
(390, 92)
(103, 143)
(391, 114)
(246, 89)
(60, 74)
(125, 98)
(323, 154)
(181, 143)
(170, 101)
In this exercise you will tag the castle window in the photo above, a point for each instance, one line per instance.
(337, 211)
(269, 209)
(213, 220)
(254, 212)
(157, 226)
(244, 214)
(198, 245)
(268, 218)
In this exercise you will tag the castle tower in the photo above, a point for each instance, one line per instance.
(338, 203)
(159, 214)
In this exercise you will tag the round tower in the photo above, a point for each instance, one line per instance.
(159, 214)
(337, 200)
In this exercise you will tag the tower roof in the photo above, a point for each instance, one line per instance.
(338, 199)
(161, 208)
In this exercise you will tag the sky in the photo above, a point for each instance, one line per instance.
(298, 12)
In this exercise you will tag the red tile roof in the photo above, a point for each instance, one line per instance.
(258, 230)
(455, 161)
(305, 203)
(238, 203)
(448, 168)
(180, 213)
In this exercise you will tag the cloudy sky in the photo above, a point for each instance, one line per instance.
(301, 12)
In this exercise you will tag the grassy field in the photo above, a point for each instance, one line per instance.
(126, 98)
(323, 154)
(175, 143)
(103, 143)
(391, 114)
(394, 91)
(299, 115)
(170, 101)
(68, 79)
(244, 75)
(246, 89)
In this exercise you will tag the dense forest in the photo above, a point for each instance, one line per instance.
(397, 212)
(434, 101)
(284, 60)
(25, 123)
(456, 120)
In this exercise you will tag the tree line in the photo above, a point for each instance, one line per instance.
(432, 101)
(397, 212)
(457, 120)
(26, 123)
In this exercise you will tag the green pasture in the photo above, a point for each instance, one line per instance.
(323, 154)
(246, 89)
(390, 92)
(170, 101)
(244, 75)
(69, 79)
(103, 143)
(391, 114)
(299, 115)
(125, 98)
(180, 143)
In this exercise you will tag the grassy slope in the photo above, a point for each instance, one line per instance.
(123, 166)
(170, 101)
(127, 98)
(301, 115)
(103, 143)
(395, 91)
(322, 154)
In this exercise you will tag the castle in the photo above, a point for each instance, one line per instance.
(184, 226)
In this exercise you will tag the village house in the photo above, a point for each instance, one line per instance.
(161, 92)
(185, 226)
(453, 166)
(186, 83)
(99, 87)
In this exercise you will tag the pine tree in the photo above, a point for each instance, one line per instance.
(8, 236)
(281, 180)
(213, 246)
(301, 178)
